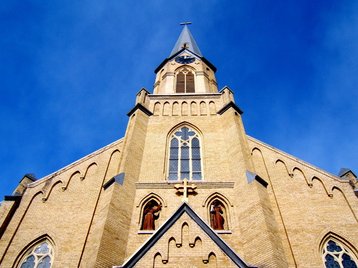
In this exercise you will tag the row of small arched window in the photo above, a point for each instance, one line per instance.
(184, 108)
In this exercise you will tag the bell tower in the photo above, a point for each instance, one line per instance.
(185, 70)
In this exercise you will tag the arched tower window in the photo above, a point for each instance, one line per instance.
(335, 254)
(185, 81)
(184, 155)
(40, 255)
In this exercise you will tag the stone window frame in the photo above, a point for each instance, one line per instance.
(32, 249)
(337, 256)
(185, 70)
(170, 137)
(227, 210)
(142, 204)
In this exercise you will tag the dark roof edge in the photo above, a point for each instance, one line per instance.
(169, 223)
(29, 176)
(344, 171)
(207, 62)
(140, 107)
(230, 105)
(16, 198)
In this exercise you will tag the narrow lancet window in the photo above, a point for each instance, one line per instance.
(173, 159)
(180, 83)
(196, 160)
(190, 83)
(184, 155)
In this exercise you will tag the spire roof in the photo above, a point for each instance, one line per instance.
(186, 40)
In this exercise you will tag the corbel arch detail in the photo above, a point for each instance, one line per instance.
(335, 188)
(157, 259)
(77, 172)
(255, 149)
(298, 170)
(211, 257)
(47, 195)
(285, 165)
(323, 185)
(82, 177)
(94, 164)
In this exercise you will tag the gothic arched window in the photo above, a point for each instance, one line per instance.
(185, 81)
(337, 255)
(184, 155)
(38, 256)
(218, 215)
(151, 212)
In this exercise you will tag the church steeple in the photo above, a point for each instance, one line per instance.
(186, 40)
(185, 71)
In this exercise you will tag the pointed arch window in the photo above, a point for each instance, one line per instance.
(39, 256)
(184, 155)
(150, 215)
(337, 255)
(218, 215)
(185, 82)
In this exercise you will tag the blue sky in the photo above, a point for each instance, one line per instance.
(69, 72)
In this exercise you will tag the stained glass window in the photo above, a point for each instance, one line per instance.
(184, 155)
(336, 255)
(39, 256)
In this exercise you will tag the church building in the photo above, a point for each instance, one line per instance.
(185, 187)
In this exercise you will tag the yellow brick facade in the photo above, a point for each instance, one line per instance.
(92, 210)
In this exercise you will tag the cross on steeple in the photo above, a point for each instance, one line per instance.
(185, 189)
(185, 23)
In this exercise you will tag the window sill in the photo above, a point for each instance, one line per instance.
(223, 231)
(146, 232)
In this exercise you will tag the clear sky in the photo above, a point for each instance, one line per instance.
(69, 72)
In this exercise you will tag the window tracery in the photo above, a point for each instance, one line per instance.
(185, 155)
(185, 81)
(337, 255)
(39, 256)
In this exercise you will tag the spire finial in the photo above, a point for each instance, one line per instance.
(185, 23)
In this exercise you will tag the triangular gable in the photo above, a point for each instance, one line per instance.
(189, 51)
(210, 233)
